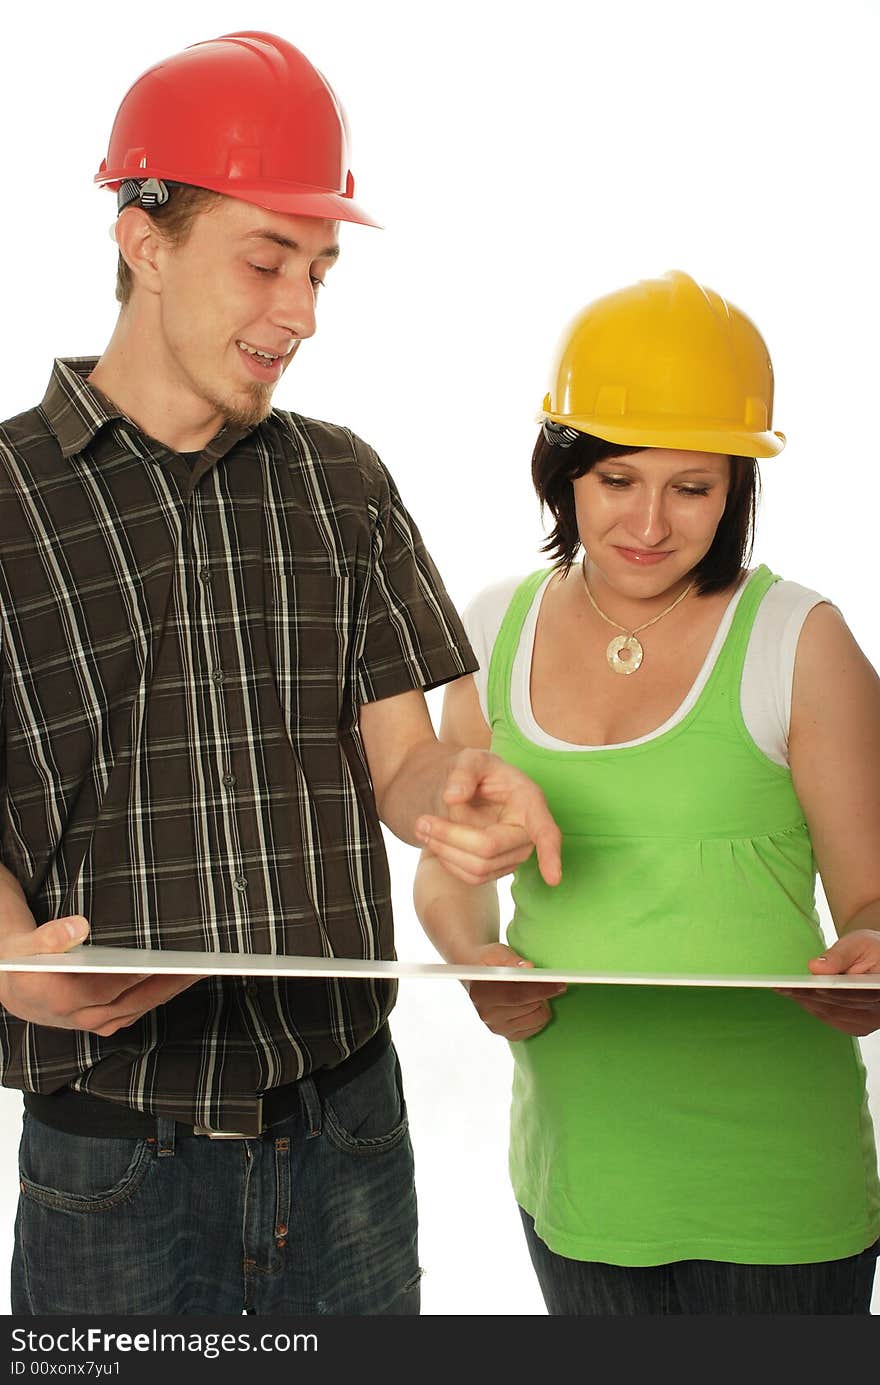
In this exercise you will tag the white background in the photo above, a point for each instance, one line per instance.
(524, 158)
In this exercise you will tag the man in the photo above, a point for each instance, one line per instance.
(217, 623)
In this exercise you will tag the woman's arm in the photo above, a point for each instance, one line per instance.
(462, 920)
(834, 753)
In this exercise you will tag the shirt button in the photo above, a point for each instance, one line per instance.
(229, 780)
(217, 676)
(204, 574)
(239, 883)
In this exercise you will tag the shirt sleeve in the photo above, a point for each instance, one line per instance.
(413, 636)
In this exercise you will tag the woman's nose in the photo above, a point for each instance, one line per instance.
(649, 519)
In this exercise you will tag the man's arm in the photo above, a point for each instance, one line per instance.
(462, 920)
(479, 816)
(98, 1003)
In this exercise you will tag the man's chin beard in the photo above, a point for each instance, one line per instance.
(250, 408)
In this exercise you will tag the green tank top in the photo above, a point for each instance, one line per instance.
(652, 1124)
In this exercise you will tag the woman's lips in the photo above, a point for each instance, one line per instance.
(643, 557)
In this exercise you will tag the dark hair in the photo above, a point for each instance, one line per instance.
(554, 467)
(175, 218)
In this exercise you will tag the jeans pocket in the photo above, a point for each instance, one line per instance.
(76, 1173)
(367, 1115)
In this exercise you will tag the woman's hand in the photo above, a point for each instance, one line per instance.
(852, 1012)
(515, 1009)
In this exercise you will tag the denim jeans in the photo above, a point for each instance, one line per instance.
(586, 1288)
(317, 1216)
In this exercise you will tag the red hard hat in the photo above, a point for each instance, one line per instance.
(246, 115)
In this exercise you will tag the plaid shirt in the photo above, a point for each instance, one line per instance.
(183, 652)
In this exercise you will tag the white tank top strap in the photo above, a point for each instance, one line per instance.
(768, 671)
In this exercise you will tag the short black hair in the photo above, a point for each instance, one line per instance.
(554, 467)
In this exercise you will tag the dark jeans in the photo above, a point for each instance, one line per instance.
(318, 1216)
(586, 1288)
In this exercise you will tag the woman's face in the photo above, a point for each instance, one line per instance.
(647, 519)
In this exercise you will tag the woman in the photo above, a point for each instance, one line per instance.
(703, 734)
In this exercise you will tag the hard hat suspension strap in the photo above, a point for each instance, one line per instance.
(558, 435)
(151, 192)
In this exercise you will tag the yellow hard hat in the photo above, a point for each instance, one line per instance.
(666, 363)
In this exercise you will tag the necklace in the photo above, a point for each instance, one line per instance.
(624, 652)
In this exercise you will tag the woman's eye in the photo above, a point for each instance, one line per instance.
(263, 268)
(316, 282)
(618, 482)
(694, 490)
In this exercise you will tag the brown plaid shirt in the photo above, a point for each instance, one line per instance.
(183, 652)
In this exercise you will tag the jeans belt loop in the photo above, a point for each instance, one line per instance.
(311, 1106)
(166, 1131)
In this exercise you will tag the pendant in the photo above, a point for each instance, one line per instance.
(624, 654)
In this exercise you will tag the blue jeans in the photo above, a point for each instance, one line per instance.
(317, 1216)
(586, 1288)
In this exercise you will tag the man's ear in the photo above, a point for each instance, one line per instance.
(140, 244)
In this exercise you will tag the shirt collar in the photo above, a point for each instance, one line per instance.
(74, 409)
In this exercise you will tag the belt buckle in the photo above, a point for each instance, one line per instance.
(231, 1134)
(220, 1134)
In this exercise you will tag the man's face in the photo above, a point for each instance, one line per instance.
(237, 297)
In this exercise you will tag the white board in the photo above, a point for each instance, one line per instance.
(145, 961)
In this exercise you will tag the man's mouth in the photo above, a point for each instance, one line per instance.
(268, 356)
(263, 363)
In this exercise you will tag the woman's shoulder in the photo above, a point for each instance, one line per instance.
(779, 624)
(786, 591)
(802, 631)
(484, 615)
(787, 602)
(834, 682)
(488, 607)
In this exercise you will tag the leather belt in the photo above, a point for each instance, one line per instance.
(81, 1113)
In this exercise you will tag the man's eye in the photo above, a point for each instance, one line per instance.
(263, 268)
(317, 283)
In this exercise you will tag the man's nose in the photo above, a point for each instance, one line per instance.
(294, 307)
